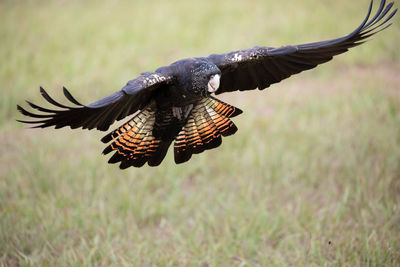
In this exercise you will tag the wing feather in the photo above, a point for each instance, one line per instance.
(99, 114)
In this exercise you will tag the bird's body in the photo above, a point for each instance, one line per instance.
(175, 103)
(187, 87)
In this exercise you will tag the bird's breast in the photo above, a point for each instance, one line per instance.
(175, 96)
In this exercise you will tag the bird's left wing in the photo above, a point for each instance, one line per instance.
(259, 67)
(102, 113)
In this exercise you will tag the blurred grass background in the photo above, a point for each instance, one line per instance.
(312, 177)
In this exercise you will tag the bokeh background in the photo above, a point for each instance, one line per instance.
(312, 177)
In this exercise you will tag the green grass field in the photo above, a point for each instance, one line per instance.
(312, 177)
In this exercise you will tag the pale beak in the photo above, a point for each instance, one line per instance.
(213, 83)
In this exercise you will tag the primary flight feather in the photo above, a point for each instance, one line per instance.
(175, 102)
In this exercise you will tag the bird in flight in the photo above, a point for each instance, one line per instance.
(175, 103)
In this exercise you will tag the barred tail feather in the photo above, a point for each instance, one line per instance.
(223, 108)
(208, 121)
(133, 141)
(144, 138)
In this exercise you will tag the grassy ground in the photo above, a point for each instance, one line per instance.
(311, 178)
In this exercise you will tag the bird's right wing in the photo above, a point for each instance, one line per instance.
(100, 114)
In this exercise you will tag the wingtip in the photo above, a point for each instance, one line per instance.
(48, 98)
(27, 113)
(394, 12)
(43, 92)
(24, 122)
(69, 96)
(21, 121)
(31, 104)
(19, 108)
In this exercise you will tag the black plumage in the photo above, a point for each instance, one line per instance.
(174, 103)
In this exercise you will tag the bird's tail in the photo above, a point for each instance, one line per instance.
(144, 138)
(207, 122)
(147, 136)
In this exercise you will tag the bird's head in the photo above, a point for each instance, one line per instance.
(205, 78)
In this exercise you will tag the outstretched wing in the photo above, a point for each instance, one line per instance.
(134, 96)
(259, 67)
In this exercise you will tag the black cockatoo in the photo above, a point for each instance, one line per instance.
(175, 102)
